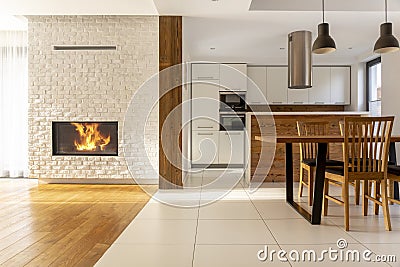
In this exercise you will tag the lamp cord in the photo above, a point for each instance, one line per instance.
(323, 11)
(386, 15)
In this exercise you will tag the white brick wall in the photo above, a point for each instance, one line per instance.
(88, 86)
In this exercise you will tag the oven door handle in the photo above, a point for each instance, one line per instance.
(241, 113)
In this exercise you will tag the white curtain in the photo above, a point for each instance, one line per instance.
(13, 104)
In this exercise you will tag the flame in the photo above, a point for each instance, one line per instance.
(90, 138)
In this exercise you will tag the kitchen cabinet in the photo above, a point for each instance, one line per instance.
(205, 147)
(233, 77)
(340, 85)
(205, 71)
(205, 107)
(298, 96)
(320, 93)
(231, 147)
(277, 85)
(256, 86)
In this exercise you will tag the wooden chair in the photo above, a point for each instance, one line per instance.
(393, 176)
(365, 153)
(308, 154)
(355, 184)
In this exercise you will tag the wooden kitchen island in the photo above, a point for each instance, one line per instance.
(283, 124)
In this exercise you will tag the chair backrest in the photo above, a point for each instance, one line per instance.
(341, 127)
(366, 144)
(311, 128)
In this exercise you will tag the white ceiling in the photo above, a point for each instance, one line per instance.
(330, 5)
(240, 35)
(78, 7)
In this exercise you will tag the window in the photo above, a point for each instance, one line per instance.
(14, 103)
(374, 86)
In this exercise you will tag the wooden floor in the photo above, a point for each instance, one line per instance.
(62, 225)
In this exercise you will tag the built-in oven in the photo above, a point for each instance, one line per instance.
(232, 101)
(232, 121)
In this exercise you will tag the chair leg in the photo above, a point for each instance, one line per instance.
(385, 206)
(376, 196)
(326, 192)
(310, 186)
(301, 182)
(357, 192)
(345, 190)
(364, 198)
(369, 188)
(391, 191)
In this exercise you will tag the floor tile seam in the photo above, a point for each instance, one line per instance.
(235, 244)
(195, 237)
(229, 219)
(270, 231)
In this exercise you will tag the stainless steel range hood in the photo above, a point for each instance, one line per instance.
(299, 60)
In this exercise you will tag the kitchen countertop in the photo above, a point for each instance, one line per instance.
(339, 113)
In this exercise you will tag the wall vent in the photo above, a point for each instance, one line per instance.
(84, 47)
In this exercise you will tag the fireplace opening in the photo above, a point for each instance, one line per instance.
(85, 138)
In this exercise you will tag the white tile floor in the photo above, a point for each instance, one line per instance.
(231, 231)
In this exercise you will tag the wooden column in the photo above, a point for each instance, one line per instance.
(170, 54)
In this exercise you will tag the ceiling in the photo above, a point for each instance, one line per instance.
(260, 36)
(78, 7)
(330, 5)
(243, 30)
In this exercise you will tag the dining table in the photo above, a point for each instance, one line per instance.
(322, 142)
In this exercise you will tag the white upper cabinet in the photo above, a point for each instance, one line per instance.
(205, 71)
(277, 85)
(320, 93)
(298, 96)
(233, 77)
(340, 85)
(256, 86)
(205, 107)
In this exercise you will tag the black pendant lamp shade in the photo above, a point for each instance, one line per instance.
(324, 43)
(387, 42)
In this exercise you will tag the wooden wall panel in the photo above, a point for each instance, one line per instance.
(170, 54)
(286, 125)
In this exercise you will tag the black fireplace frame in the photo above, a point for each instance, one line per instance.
(54, 141)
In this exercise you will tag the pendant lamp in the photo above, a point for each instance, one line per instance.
(387, 42)
(324, 43)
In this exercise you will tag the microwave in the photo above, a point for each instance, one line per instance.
(232, 101)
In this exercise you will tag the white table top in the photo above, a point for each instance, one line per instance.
(318, 113)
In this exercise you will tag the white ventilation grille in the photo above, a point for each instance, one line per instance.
(84, 47)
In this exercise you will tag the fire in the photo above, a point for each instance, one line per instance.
(90, 138)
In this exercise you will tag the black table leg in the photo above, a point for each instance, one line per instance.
(319, 183)
(289, 171)
(289, 183)
(393, 160)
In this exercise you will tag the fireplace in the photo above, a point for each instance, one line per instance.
(87, 138)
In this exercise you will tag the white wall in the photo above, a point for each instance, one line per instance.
(391, 91)
(92, 86)
(391, 87)
(357, 87)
